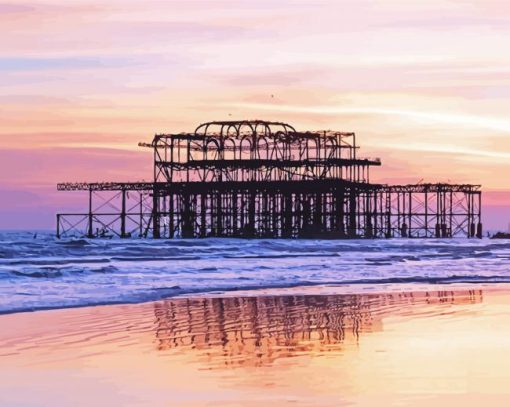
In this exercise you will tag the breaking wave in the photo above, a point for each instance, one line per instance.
(40, 272)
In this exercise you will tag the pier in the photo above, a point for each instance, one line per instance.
(259, 179)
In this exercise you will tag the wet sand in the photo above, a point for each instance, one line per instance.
(315, 346)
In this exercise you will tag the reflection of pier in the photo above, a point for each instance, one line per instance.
(253, 331)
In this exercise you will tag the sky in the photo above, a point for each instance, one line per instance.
(424, 84)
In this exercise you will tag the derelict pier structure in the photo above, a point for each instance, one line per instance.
(259, 179)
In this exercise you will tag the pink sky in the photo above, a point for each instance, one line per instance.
(425, 85)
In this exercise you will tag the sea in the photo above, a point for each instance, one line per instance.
(38, 271)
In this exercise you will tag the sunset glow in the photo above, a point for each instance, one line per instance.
(425, 86)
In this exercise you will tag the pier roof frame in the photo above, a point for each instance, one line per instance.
(279, 131)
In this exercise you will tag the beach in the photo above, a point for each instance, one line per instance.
(330, 345)
(254, 203)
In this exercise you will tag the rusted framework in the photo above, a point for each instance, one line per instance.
(423, 210)
(114, 209)
(260, 179)
(257, 151)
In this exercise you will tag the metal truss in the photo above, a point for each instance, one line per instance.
(259, 179)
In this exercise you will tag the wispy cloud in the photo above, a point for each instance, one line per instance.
(490, 123)
(67, 63)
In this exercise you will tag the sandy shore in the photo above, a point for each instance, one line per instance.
(320, 346)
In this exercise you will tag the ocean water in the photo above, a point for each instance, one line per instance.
(41, 272)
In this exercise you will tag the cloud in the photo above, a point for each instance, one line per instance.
(46, 167)
(68, 63)
(490, 123)
(11, 8)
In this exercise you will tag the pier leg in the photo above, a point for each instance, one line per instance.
(123, 215)
(90, 233)
(156, 230)
(141, 215)
(58, 226)
(352, 213)
(251, 215)
(479, 228)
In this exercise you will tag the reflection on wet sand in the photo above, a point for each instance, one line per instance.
(257, 330)
(323, 347)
